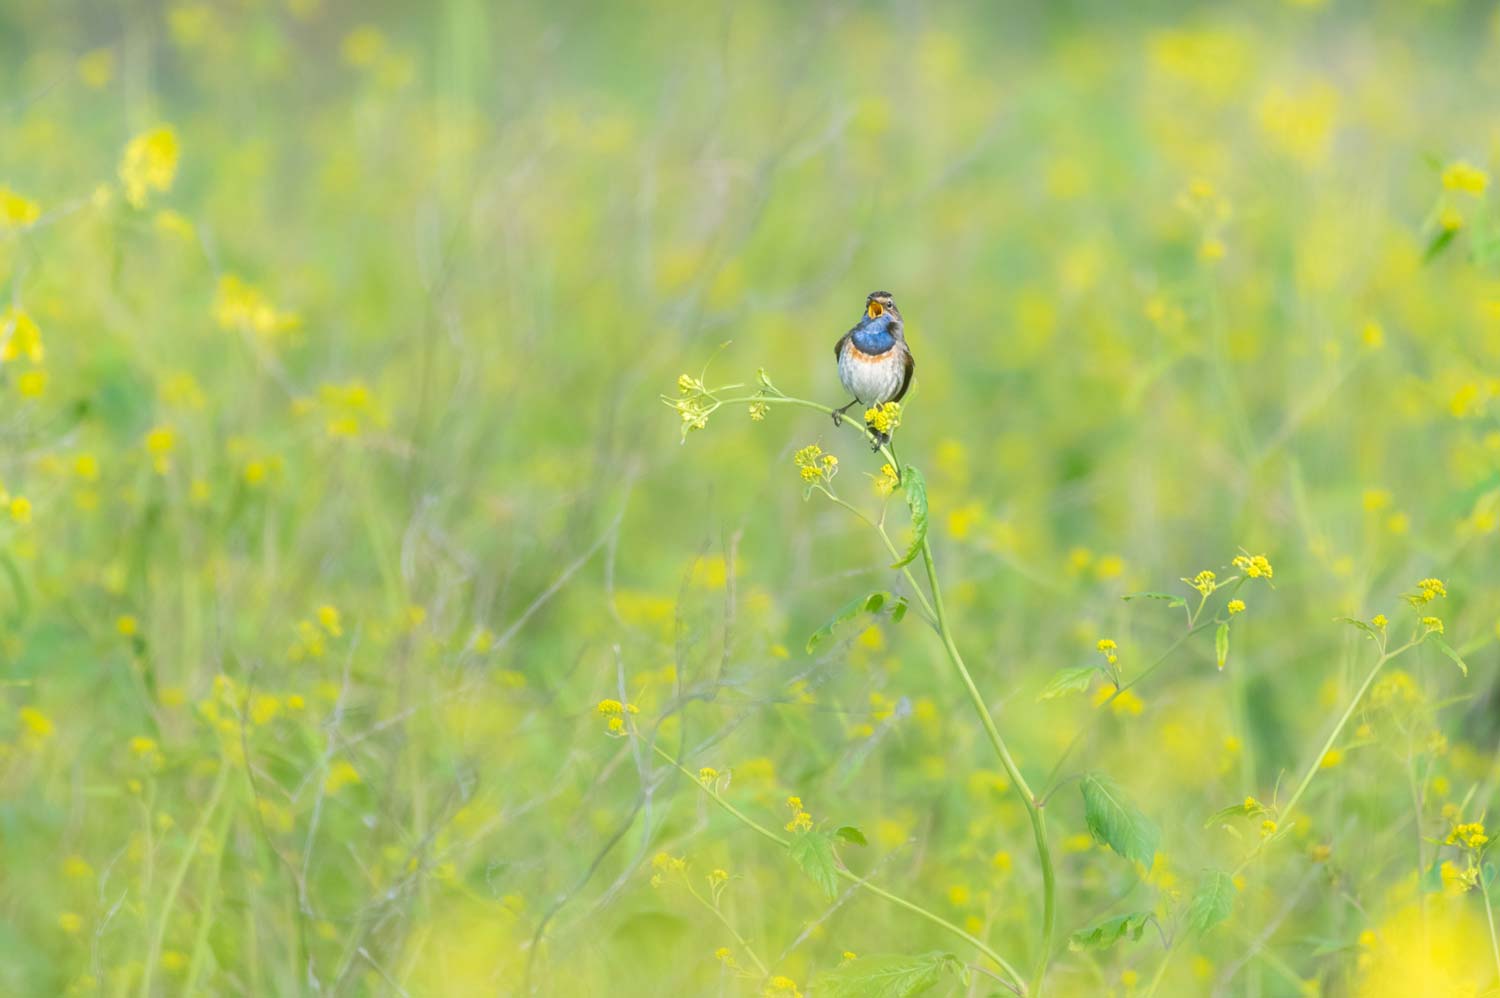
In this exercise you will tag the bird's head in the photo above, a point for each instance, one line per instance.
(880, 308)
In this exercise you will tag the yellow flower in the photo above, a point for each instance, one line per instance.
(1330, 759)
(328, 616)
(758, 411)
(32, 384)
(609, 708)
(1204, 582)
(884, 418)
(815, 466)
(70, 922)
(20, 509)
(708, 774)
(159, 444)
(16, 212)
(1433, 624)
(886, 481)
(1236, 606)
(1379, 621)
(1431, 589)
(1267, 828)
(1254, 566)
(1465, 177)
(149, 164)
(126, 625)
(340, 775)
(20, 337)
(781, 987)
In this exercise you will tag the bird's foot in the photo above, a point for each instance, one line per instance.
(880, 439)
(838, 414)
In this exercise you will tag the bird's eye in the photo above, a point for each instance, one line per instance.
(875, 309)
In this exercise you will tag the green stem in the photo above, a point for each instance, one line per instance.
(1489, 913)
(190, 853)
(1033, 808)
(849, 875)
(857, 424)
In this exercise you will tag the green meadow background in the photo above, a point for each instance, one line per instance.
(335, 489)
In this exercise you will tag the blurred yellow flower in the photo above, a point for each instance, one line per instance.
(17, 212)
(1465, 177)
(149, 164)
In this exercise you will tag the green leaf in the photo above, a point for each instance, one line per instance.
(1116, 822)
(1102, 935)
(899, 610)
(1439, 243)
(849, 611)
(813, 851)
(1368, 628)
(1221, 643)
(916, 501)
(1212, 901)
(1447, 649)
(1171, 599)
(1223, 814)
(887, 976)
(851, 834)
(1066, 681)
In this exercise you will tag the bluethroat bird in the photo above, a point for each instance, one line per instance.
(874, 363)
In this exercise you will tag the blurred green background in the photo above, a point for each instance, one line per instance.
(336, 489)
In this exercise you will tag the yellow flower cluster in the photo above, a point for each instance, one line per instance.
(149, 164)
(1109, 650)
(1465, 177)
(1235, 606)
(815, 466)
(1205, 582)
(884, 418)
(1433, 624)
(1431, 589)
(1470, 835)
(781, 987)
(694, 403)
(16, 212)
(1254, 566)
(614, 713)
(887, 480)
(801, 820)
(242, 306)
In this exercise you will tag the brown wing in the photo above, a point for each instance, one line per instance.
(911, 365)
(838, 348)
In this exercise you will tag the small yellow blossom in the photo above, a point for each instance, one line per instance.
(20, 509)
(1236, 606)
(606, 708)
(149, 164)
(1379, 620)
(127, 625)
(17, 212)
(1254, 566)
(708, 774)
(1204, 582)
(70, 922)
(1470, 836)
(1267, 828)
(781, 987)
(1433, 624)
(758, 411)
(1330, 759)
(884, 418)
(328, 617)
(1465, 177)
(340, 775)
(887, 480)
(20, 337)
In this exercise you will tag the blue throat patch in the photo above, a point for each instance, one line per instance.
(874, 336)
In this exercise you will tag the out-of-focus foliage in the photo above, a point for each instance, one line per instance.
(336, 493)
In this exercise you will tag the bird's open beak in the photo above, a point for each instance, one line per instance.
(874, 309)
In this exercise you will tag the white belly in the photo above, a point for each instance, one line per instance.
(873, 380)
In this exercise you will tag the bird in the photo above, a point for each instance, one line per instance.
(875, 365)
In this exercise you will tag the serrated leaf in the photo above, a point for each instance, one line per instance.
(849, 611)
(1171, 599)
(915, 487)
(1102, 935)
(813, 851)
(1212, 901)
(1447, 649)
(887, 976)
(1221, 643)
(1439, 243)
(1223, 814)
(851, 834)
(1115, 822)
(1368, 628)
(1065, 681)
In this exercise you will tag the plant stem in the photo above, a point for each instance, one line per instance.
(190, 853)
(849, 875)
(1033, 808)
(857, 424)
(1489, 913)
